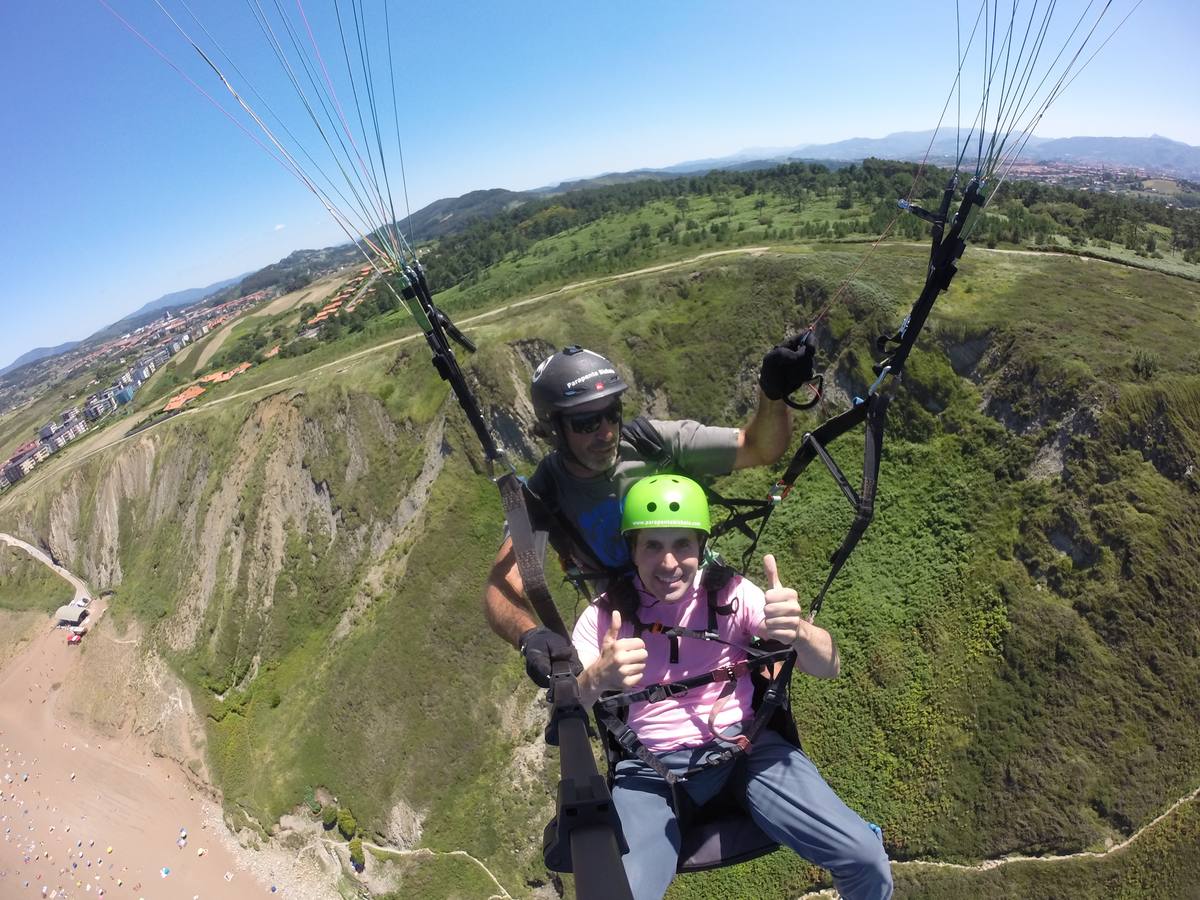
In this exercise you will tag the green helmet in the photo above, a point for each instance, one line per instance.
(665, 501)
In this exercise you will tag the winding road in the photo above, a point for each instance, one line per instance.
(81, 589)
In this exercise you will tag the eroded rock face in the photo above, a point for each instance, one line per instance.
(221, 511)
(398, 529)
(404, 826)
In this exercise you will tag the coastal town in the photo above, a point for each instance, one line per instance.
(151, 345)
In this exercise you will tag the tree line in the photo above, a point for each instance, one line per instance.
(1027, 212)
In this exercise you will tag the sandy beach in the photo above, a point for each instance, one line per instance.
(83, 816)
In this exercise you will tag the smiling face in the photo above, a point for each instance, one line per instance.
(666, 559)
(593, 433)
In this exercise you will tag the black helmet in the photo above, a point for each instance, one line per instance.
(570, 378)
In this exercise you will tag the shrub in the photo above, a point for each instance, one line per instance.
(310, 800)
(1145, 363)
(346, 823)
(356, 854)
(329, 817)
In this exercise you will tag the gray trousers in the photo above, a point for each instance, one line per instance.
(787, 798)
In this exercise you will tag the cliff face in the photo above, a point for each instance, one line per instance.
(251, 554)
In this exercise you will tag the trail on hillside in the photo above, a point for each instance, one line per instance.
(81, 589)
(989, 864)
(425, 853)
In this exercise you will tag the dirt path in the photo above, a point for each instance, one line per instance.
(988, 864)
(431, 854)
(112, 436)
(81, 589)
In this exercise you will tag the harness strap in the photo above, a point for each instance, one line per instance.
(873, 411)
(609, 711)
(811, 447)
(627, 739)
(731, 672)
(529, 562)
(864, 503)
(741, 512)
(740, 740)
(569, 544)
(774, 697)
(677, 631)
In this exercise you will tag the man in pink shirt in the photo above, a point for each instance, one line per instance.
(621, 643)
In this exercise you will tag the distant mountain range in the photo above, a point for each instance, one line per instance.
(39, 353)
(1155, 154)
(147, 312)
(179, 299)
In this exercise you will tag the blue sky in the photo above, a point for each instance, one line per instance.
(123, 183)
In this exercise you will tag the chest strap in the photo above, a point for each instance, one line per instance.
(610, 711)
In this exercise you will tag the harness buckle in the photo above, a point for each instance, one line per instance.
(628, 740)
(727, 672)
(663, 691)
(778, 492)
(717, 757)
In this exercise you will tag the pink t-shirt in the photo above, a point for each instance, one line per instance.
(682, 721)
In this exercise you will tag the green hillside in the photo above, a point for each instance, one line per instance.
(1018, 629)
(26, 584)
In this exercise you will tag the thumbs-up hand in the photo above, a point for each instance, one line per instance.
(622, 660)
(782, 613)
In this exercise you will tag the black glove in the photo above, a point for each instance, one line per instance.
(788, 366)
(537, 645)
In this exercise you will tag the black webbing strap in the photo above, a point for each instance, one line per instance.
(864, 501)
(529, 561)
(608, 712)
(741, 512)
(438, 331)
(627, 739)
(731, 672)
(572, 548)
(811, 447)
(674, 631)
(814, 441)
(943, 264)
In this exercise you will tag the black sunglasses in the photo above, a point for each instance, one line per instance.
(586, 423)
